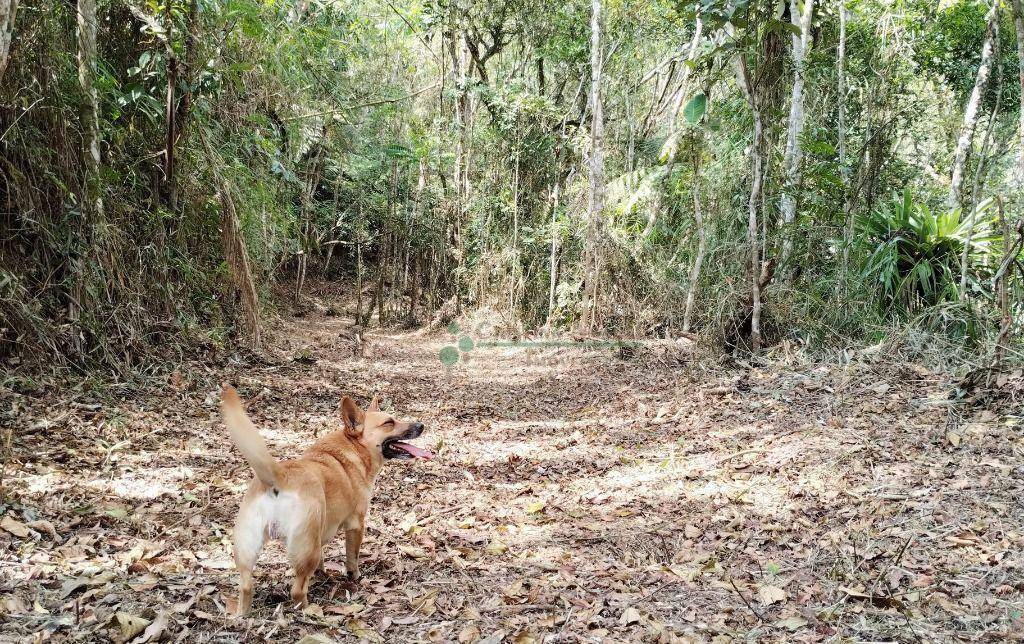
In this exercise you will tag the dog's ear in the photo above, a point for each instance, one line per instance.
(374, 404)
(353, 417)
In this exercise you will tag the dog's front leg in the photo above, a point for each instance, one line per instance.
(353, 541)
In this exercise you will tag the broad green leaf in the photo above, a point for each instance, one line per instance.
(695, 108)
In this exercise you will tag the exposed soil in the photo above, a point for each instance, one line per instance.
(579, 494)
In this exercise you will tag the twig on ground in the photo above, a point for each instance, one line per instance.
(740, 593)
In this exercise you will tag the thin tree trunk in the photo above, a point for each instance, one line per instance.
(396, 246)
(630, 143)
(191, 69)
(237, 256)
(457, 50)
(334, 228)
(300, 273)
(170, 111)
(513, 291)
(698, 218)
(305, 225)
(793, 154)
(414, 285)
(1018, 21)
(8, 9)
(421, 186)
(553, 268)
(359, 278)
(876, 124)
(417, 213)
(92, 224)
(90, 104)
(757, 175)
(381, 269)
(595, 198)
(972, 110)
(979, 173)
(465, 108)
(1003, 289)
(844, 170)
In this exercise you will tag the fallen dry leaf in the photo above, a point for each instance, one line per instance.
(14, 527)
(791, 623)
(414, 551)
(629, 616)
(360, 629)
(769, 594)
(497, 547)
(130, 625)
(469, 634)
(155, 631)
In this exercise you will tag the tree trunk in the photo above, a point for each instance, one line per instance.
(1003, 288)
(414, 286)
(395, 247)
(595, 197)
(698, 218)
(237, 257)
(305, 222)
(8, 9)
(417, 258)
(757, 175)
(92, 200)
(170, 111)
(793, 154)
(359, 278)
(457, 49)
(90, 105)
(553, 262)
(979, 173)
(1018, 21)
(381, 269)
(972, 110)
(844, 171)
(334, 228)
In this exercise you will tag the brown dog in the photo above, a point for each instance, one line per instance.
(306, 501)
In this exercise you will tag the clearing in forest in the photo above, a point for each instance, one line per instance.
(579, 494)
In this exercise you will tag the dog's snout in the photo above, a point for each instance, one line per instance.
(417, 429)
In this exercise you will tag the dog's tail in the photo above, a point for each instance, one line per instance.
(247, 437)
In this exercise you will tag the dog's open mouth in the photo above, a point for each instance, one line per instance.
(396, 448)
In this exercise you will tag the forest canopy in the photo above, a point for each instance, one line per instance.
(755, 171)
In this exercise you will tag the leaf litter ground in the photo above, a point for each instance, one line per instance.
(578, 495)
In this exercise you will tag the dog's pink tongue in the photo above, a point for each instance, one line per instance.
(412, 449)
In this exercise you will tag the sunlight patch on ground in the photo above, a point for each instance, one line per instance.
(144, 485)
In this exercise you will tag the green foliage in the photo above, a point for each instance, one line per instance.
(323, 124)
(695, 108)
(913, 252)
(951, 48)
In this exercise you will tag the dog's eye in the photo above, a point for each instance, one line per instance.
(389, 423)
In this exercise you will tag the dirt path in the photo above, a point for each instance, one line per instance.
(577, 496)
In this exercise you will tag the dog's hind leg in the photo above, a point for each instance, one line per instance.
(305, 554)
(249, 535)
